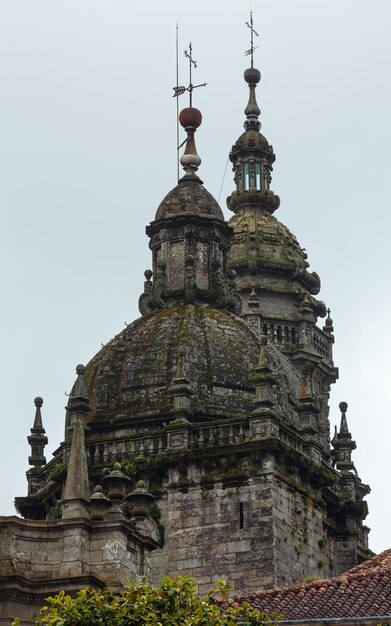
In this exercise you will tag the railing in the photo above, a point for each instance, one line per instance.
(129, 448)
(198, 436)
(148, 445)
(289, 336)
(321, 343)
(280, 333)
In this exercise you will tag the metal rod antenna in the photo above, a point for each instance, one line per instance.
(177, 104)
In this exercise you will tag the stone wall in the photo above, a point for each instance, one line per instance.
(304, 542)
(39, 558)
(218, 530)
(253, 530)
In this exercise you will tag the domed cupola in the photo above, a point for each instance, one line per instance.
(265, 255)
(189, 241)
(252, 157)
(272, 269)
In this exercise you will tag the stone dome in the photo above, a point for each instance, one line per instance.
(270, 246)
(131, 376)
(189, 197)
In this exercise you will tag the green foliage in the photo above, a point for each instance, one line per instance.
(129, 469)
(173, 602)
(55, 511)
(310, 579)
(58, 472)
(126, 509)
(155, 514)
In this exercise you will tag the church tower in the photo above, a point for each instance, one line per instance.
(277, 289)
(216, 398)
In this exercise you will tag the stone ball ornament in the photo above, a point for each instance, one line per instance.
(190, 118)
(252, 76)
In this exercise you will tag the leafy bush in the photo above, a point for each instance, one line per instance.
(173, 602)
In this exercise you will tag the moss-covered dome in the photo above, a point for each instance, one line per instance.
(262, 243)
(131, 376)
(252, 140)
(189, 197)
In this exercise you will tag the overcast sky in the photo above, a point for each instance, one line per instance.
(88, 150)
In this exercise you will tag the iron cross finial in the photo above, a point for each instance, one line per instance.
(189, 55)
(179, 89)
(253, 32)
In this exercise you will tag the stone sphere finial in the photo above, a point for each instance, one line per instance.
(148, 274)
(190, 118)
(252, 76)
(343, 406)
(80, 369)
(38, 401)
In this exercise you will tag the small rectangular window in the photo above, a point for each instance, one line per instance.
(241, 515)
(246, 177)
(265, 178)
(258, 178)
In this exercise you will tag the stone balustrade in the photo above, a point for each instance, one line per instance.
(290, 336)
(191, 436)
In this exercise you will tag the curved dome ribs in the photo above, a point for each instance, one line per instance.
(131, 376)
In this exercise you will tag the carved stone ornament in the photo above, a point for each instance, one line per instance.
(154, 292)
(225, 295)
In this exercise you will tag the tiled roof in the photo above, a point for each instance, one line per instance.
(364, 591)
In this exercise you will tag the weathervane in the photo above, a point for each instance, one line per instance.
(253, 32)
(179, 89)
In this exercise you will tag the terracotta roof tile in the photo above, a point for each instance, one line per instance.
(364, 591)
